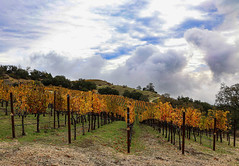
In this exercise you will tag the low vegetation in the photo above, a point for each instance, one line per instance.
(135, 95)
(108, 91)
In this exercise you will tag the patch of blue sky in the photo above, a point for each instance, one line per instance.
(117, 53)
(153, 40)
(128, 10)
(209, 24)
(142, 25)
(123, 28)
(146, 21)
(139, 29)
(208, 9)
(128, 28)
(151, 20)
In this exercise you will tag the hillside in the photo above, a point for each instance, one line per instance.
(9, 80)
(99, 83)
(121, 88)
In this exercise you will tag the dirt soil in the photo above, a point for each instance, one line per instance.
(158, 152)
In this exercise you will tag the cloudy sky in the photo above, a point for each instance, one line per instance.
(184, 47)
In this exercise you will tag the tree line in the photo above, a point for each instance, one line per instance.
(46, 78)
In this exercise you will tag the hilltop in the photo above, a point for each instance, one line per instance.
(121, 88)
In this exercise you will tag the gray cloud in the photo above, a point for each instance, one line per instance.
(72, 68)
(230, 10)
(140, 56)
(221, 57)
(149, 64)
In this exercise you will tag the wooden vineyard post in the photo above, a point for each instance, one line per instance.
(6, 107)
(51, 109)
(69, 119)
(183, 137)
(214, 135)
(128, 131)
(92, 114)
(235, 126)
(89, 121)
(171, 123)
(98, 119)
(12, 115)
(54, 110)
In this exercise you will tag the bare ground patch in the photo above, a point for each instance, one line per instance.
(157, 152)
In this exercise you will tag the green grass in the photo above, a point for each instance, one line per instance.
(206, 146)
(30, 127)
(111, 135)
(136, 144)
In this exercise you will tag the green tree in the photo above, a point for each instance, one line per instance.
(138, 87)
(108, 91)
(135, 95)
(149, 87)
(61, 80)
(83, 85)
(228, 98)
(1, 71)
(48, 79)
(21, 73)
(35, 74)
(127, 94)
(144, 98)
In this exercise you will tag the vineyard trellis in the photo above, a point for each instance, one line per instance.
(169, 121)
(87, 108)
(94, 110)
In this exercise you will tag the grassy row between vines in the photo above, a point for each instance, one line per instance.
(205, 147)
(111, 135)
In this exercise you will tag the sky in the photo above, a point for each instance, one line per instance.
(184, 47)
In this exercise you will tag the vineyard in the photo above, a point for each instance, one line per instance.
(52, 107)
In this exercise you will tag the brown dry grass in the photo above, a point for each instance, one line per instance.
(157, 152)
